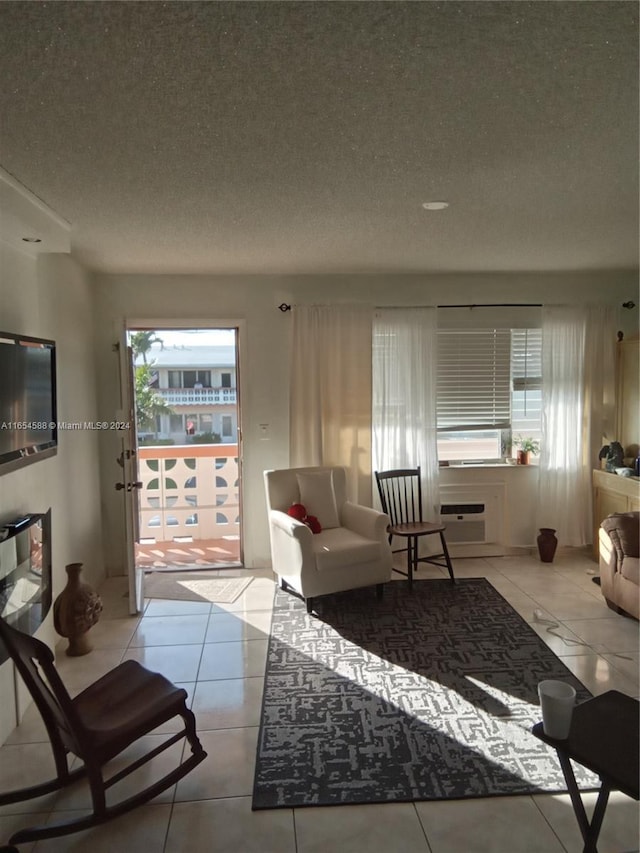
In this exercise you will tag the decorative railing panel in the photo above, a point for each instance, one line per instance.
(189, 490)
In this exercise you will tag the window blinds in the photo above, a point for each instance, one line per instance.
(526, 359)
(474, 379)
(526, 374)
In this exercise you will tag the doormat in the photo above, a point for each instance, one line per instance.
(428, 694)
(194, 586)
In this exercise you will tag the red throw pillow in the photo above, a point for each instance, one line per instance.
(313, 524)
(297, 511)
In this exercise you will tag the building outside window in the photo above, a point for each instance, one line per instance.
(176, 423)
(198, 384)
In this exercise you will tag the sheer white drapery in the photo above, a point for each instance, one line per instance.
(578, 364)
(330, 415)
(600, 381)
(405, 352)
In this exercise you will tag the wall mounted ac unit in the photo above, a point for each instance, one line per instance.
(466, 522)
(474, 515)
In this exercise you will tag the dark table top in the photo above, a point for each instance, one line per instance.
(604, 738)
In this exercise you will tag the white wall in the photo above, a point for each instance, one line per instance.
(264, 354)
(49, 296)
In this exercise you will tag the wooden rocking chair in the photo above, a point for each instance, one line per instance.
(97, 725)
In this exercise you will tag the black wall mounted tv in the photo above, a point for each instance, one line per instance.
(28, 410)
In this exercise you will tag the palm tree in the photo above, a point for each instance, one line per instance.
(149, 404)
(141, 343)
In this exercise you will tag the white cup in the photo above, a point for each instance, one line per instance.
(557, 699)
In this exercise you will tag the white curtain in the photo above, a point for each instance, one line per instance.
(330, 416)
(600, 382)
(404, 396)
(578, 364)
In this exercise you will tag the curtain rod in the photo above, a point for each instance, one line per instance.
(496, 305)
(285, 307)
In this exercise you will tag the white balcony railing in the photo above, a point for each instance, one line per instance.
(189, 490)
(197, 396)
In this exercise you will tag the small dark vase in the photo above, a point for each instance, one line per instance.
(547, 544)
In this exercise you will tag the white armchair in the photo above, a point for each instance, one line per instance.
(351, 551)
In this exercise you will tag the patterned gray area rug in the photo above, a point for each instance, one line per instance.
(425, 695)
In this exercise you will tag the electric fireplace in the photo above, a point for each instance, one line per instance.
(25, 573)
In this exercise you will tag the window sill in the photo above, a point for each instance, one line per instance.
(485, 465)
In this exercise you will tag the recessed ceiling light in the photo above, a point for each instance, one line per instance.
(435, 205)
(32, 240)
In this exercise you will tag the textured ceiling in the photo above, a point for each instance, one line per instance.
(304, 136)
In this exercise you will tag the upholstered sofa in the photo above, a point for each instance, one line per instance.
(352, 550)
(620, 562)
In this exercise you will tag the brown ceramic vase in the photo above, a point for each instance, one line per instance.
(75, 610)
(547, 544)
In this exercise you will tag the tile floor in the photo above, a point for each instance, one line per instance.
(174, 556)
(218, 653)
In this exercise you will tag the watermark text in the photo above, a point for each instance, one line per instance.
(38, 426)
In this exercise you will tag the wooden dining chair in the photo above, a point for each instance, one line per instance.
(400, 493)
(96, 726)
